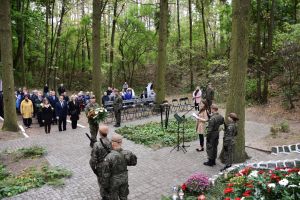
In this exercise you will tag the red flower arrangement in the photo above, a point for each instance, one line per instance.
(183, 187)
(228, 190)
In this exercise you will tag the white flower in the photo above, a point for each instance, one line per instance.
(299, 173)
(271, 185)
(284, 182)
(254, 173)
(292, 186)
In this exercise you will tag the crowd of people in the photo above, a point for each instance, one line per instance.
(48, 108)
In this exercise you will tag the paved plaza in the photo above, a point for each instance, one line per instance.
(155, 174)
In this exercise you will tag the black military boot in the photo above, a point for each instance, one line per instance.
(213, 162)
(208, 163)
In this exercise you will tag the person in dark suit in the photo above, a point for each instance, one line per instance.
(74, 111)
(46, 115)
(61, 111)
(53, 100)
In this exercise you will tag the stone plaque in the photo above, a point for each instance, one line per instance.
(274, 150)
(293, 147)
(286, 149)
(280, 164)
(289, 164)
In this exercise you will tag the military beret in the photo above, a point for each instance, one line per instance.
(233, 116)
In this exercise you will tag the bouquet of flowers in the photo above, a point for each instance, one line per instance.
(97, 115)
(197, 183)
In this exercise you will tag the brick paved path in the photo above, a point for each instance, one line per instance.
(156, 172)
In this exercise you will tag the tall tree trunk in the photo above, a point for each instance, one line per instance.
(19, 61)
(296, 2)
(204, 27)
(191, 46)
(258, 50)
(10, 116)
(46, 65)
(162, 52)
(96, 50)
(112, 44)
(269, 49)
(178, 26)
(238, 68)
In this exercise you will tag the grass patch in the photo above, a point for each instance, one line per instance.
(154, 136)
(24, 169)
(32, 178)
(31, 152)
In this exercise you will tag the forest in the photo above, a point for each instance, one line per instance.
(52, 43)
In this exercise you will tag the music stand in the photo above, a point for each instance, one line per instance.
(180, 129)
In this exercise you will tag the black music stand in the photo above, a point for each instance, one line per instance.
(180, 130)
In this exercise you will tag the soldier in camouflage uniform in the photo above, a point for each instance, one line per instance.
(115, 174)
(228, 140)
(212, 138)
(100, 150)
(93, 125)
(118, 105)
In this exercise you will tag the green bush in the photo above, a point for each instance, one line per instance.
(3, 172)
(153, 135)
(284, 127)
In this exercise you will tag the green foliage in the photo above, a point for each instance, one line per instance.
(284, 127)
(31, 152)
(153, 135)
(250, 89)
(3, 172)
(31, 178)
(281, 127)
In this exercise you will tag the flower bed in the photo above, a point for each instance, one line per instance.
(151, 134)
(245, 184)
(248, 183)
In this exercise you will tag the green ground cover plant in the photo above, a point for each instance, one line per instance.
(153, 135)
(37, 175)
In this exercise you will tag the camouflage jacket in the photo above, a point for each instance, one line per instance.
(114, 171)
(99, 152)
(118, 103)
(90, 107)
(214, 123)
(230, 133)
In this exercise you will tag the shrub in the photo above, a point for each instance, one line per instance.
(284, 127)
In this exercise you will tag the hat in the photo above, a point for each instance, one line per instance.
(233, 116)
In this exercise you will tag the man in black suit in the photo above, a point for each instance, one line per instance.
(53, 100)
(61, 110)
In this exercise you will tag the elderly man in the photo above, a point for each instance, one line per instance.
(115, 173)
(100, 150)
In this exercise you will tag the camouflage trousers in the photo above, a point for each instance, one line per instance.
(119, 193)
(94, 130)
(212, 142)
(228, 154)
